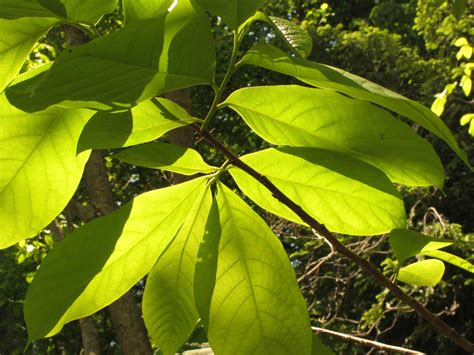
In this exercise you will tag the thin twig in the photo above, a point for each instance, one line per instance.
(364, 342)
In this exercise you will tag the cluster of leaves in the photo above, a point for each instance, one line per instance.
(208, 255)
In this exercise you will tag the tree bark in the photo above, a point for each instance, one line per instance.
(126, 315)
(183, 136)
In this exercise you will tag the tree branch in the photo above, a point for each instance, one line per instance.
(364, 342)
(321, 230)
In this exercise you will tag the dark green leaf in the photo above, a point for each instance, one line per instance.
(406, 244)
(206, 266)
(297, 39)
(319, 348)
(82, 11)
(459, 8)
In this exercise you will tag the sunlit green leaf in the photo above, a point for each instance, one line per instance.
(422, 273)
(345, 194)
(17, 38)
(326, 77)
(133, 64)
(39, 169)
(169, 309)
(406, 243)
(143, 9)
(170, 157)
(450, 258)
(256, 306)
(329, 120)
(102, 260)
(233, 12)
(145, 122)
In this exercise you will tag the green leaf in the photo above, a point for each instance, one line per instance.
(17, 38)
(14, 9)
(169, 308)
(450, 258)
(319, 348)
(85, 272)
(459, 8)
(206, 265)
(345, 194)
(133, 64)
(326, 77)
(39, 167)
(233, 12)
(406, 243)
(169, 157)
(256, 306)
(422, 273)
(144, 123)
(297, 39)
(329, 120)
(143, 9)
(82, 11)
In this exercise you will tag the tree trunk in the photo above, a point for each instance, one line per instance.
(126, 315)
(183, 136)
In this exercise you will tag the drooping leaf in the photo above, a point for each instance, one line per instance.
(450, 258)
(256, 306)
(82, 11)
(164, 156)
(326, 77)
(39, 168)
(326, 119)
(169, 308)
(145, 122)
(233, 12)
(143, 9)
(102, 260)
(422, 273)
(206, 265)
(17, 38)
(133, 64)
(345, 194)
(297, 39)
(406, 243)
